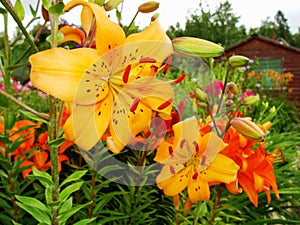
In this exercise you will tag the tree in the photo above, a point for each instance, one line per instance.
(219, 26)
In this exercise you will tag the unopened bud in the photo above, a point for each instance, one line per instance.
(238, 61)
(232, 87)
(251, 100)
(154, 17)
(148, 7)
(248, 129)
(201, 95)
(190, 46)
(112, 4)
(45, 14)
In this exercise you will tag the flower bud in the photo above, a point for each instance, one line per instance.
(248, 129)
(201, 95)
(190, 46)
(112, 4)
(154, 17)
(251, 100)
(148, 7)
(238, 61)
(232, 87)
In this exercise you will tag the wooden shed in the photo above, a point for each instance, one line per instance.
(273, 54)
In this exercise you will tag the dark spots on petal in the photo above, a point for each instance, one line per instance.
(97, 95)
(88, 90)
(99, 113)
(109, 46)
(87, 72)
(195, 175)
(136, 50)
(87, 81)
(94, 65)
(141, 110)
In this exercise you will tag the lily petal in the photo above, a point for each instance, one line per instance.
(108, 34)
(72, 34)
(198, 190)
(58, 71)
(87, 124)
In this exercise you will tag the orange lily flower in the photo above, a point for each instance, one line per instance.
(193, 161)
(40, 160)
(111, 87)
(256, 172)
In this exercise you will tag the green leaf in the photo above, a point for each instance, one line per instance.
(289, 191)
(48, 195)
(10, 121)
(39, 215)
(46, 4)
(59, 37)
(19, 9)
(57, 142)
(63, 217)
(32, 10)
(32, 116)
(3, 11)
(67, 205)
(84, 221)
(57, 9)
(3, 101)
(74, 177)
(33, 203)
(69, 190)
(42, 176)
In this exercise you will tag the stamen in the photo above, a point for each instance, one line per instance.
(170, 150)
(179, 79)
(147, 60)
(165, 104)
(172, 170)
(196, 146)
(134, 105)
(126, 74)
(182, 143)
(203, 160)
(167, 65)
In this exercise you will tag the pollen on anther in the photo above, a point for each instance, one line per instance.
(126, 73)
(182, 143)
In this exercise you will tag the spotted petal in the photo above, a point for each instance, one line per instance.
(58, 72)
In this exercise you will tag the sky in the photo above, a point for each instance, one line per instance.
(251, 12)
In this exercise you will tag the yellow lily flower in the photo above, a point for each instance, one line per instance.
(191, 160)
(112, 86)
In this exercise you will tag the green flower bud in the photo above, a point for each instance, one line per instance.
(251, 100)
(148, 7)
(189, 46)
(238, 61)
(201, 95)
(112, 4)
(248, 129)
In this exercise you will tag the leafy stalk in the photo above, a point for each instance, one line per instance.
(10, 9)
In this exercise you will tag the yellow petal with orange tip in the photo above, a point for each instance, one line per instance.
(108, 34)
(72, 34)
(58, 71)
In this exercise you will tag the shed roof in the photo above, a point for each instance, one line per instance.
(263, 39)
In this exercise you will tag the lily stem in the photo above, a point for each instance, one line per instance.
(53, 134)
(13, 99)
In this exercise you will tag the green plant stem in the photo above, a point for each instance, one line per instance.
(53, 134)
(10, 9)
(196, 217)
(216, 204)
(13, 99)
(133, 19)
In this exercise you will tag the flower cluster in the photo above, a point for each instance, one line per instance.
(117, 96)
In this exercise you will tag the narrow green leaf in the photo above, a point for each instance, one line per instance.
(2, 10)
(57, 8)
(33, 203)
(32, 116)
(63, 217)
(74, 177)
(57, 142)
(39, 215)
(42, 176)
(84, 221)
(32, 10)
(69, 190)
(19, 9)
(289, 191)
(66, 206)
(10, 121)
